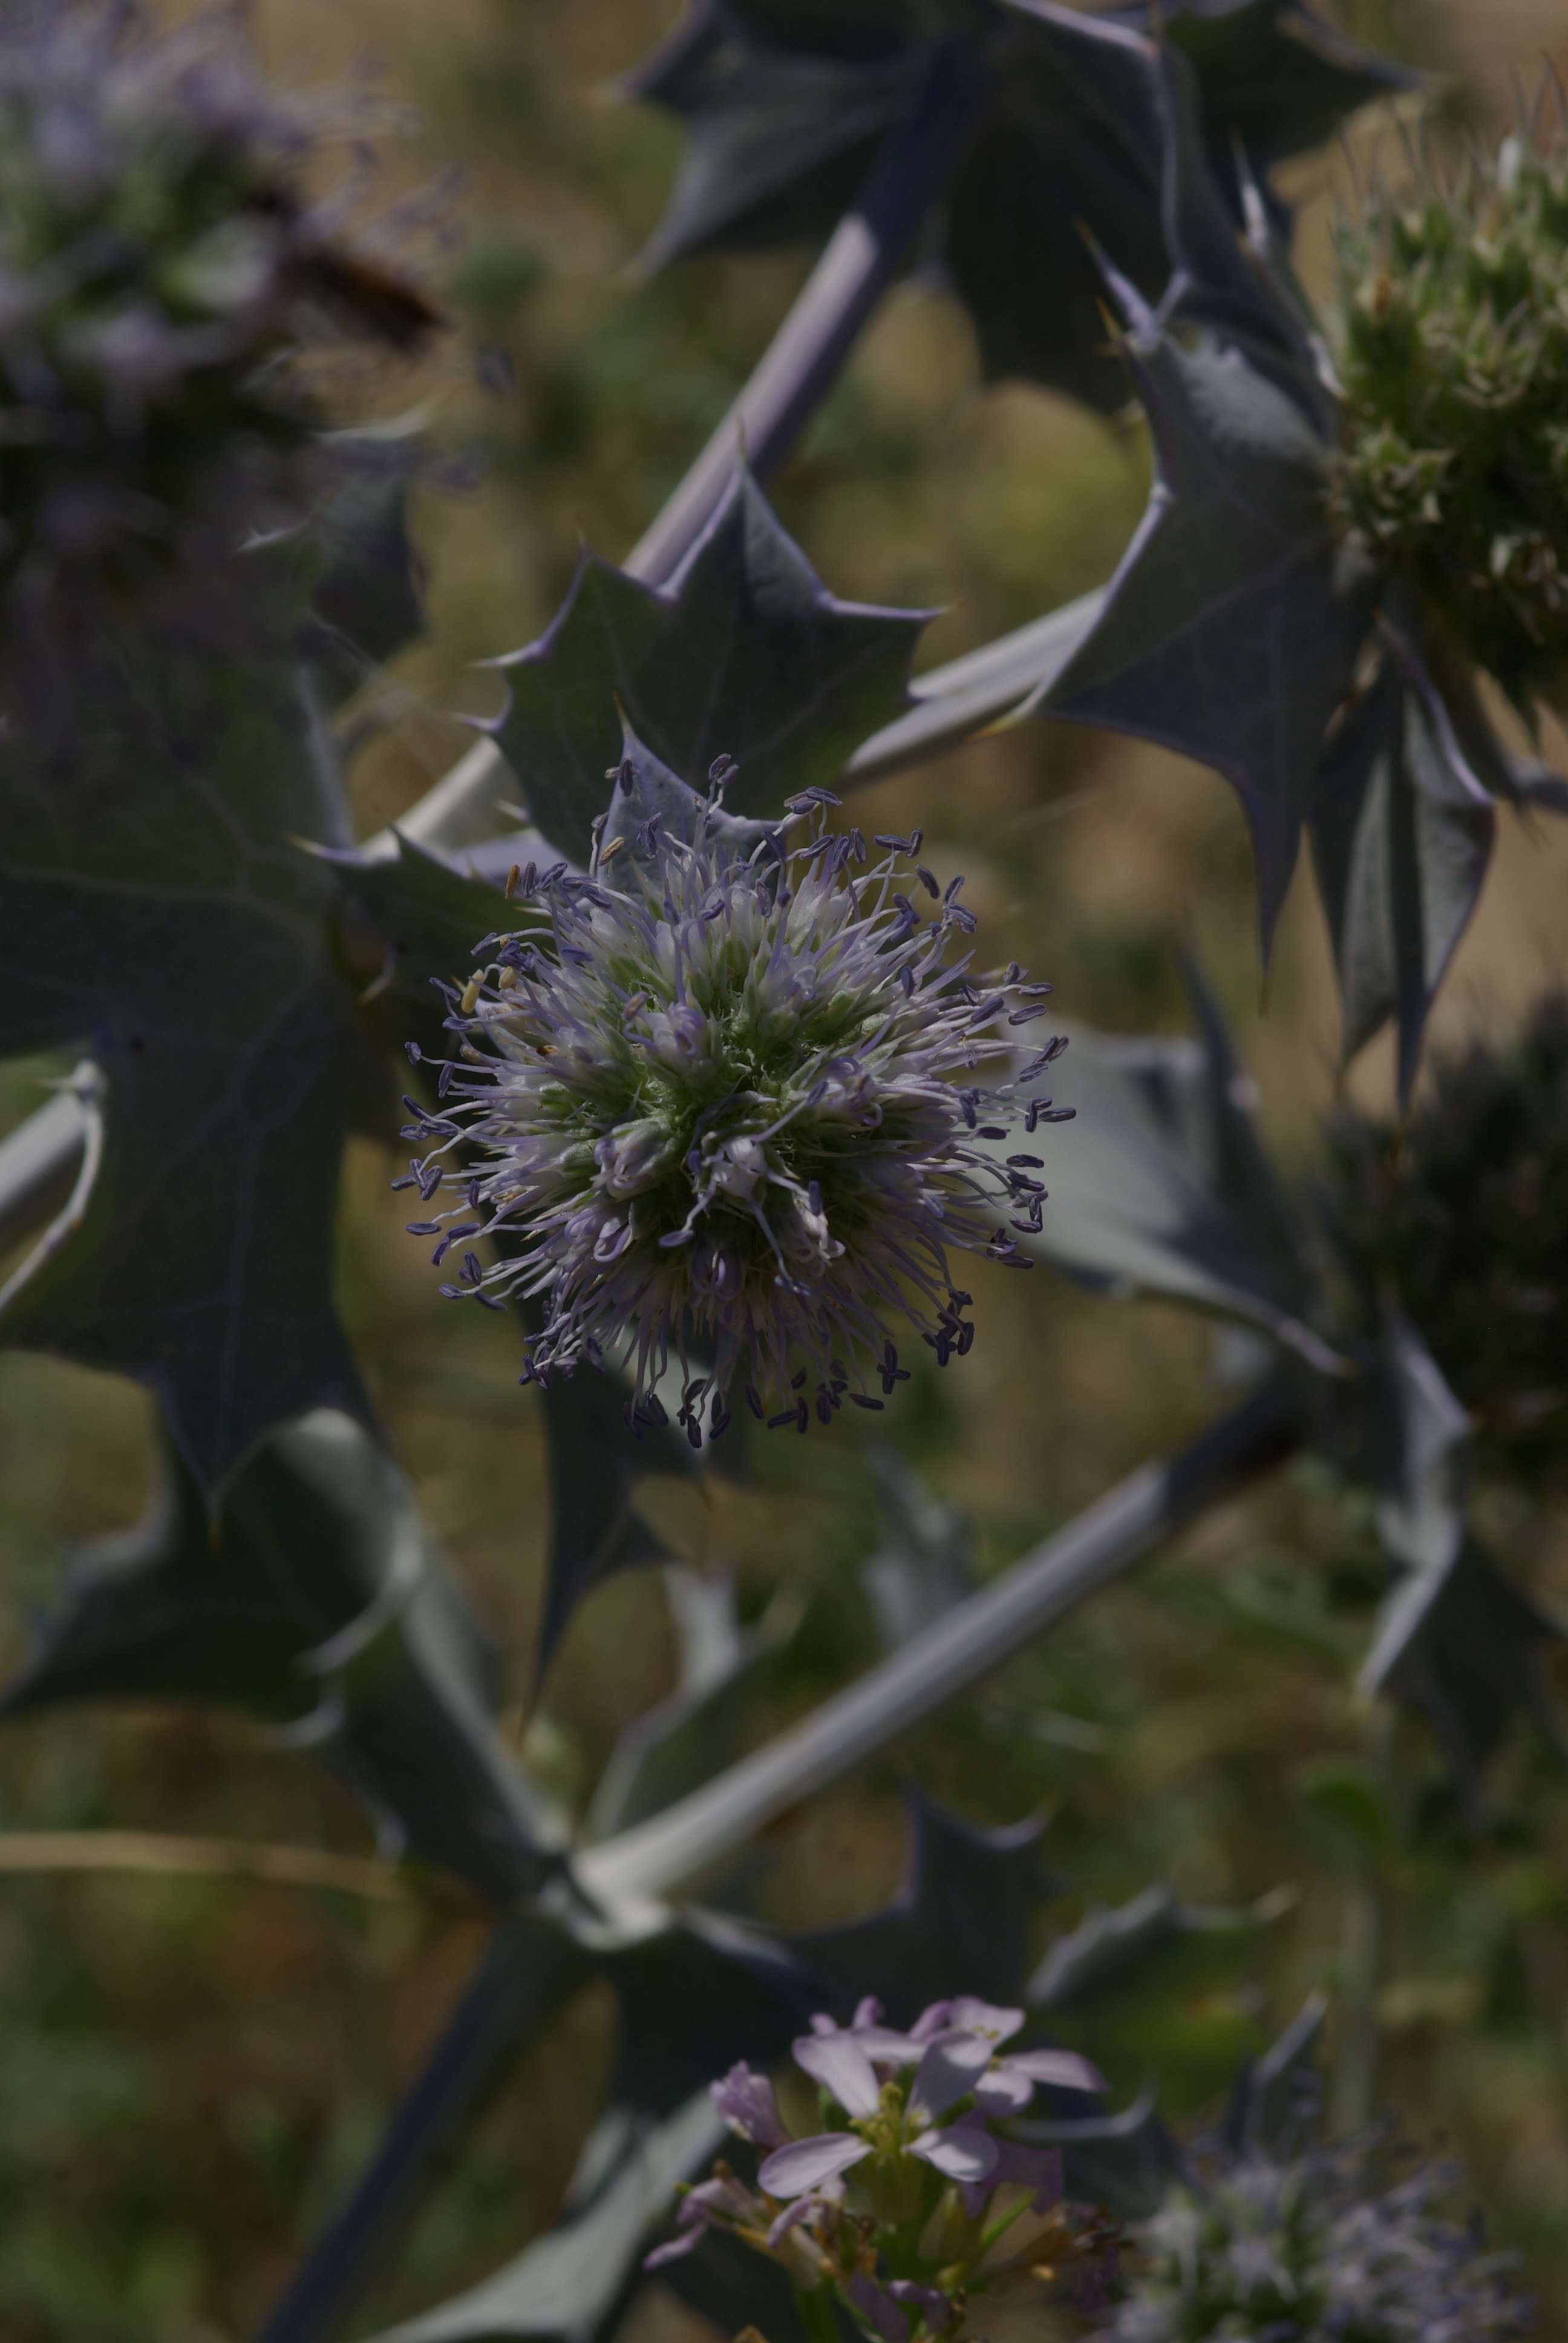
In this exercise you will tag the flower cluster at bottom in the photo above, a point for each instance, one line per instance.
(916, 2200)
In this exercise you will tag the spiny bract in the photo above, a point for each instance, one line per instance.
(1451, 342)
(714, 1102)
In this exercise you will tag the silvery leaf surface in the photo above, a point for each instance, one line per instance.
(316, 1603)
(1160, 1184)
(784, 108)
(570, 2283)
(744, 654)
(1456, 1639)
(1236, 616)
(157, 913)
(1402, 840)
(961, 1922)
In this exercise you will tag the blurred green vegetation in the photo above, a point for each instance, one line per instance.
(190, 2070)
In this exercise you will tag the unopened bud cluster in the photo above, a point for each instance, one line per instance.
(1450, 344)
(160, 265)
(716, 1103)
(918, 2202)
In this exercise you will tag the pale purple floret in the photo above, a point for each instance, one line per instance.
(702, 2208)
(723, 1093)
(746, 2103)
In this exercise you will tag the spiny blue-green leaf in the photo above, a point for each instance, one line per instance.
(1159, 1185)
(567, 2283)
(1416, 1436)
(921, 1567)
(595, 1463)
(1124, 2162)
(1273, 2093)
(317, 1604)
(778, 137)
(1461, 1644)
(1456, 1639)
(785, 107)
(1401, 838)
(155, 913)
(1237, 616)
(1125, 1956)
(695, 1732)
(1277, 76)
(743, 654)
(961, 1922)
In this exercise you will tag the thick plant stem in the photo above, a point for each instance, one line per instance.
(951, 1655)
(521, 1978)
(39, 1161)
(863, 255)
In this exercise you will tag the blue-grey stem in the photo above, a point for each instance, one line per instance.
(521, 1978)
(39, 1161)
(496, 2020)
(863, 255)
(964, 1644)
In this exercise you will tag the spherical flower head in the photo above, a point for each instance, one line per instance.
(1313, 2249)
(921, 2198)
(1451, 342)
(717, 1100)
(160, 270)
(1463, 1214)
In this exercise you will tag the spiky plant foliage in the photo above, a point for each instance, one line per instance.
(1461, 1218)
(162, 265)
(1450, 341)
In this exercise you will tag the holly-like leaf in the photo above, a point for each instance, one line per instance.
(744, 654)
(1237, 616)
(694, 1735)
(961, 1922)
(569, 2283)
(154, 911)
(316, 1603)
(785, 108)
(1113, 1958)
(1461, 1644)
(595, 1463)
(1456, 1639)
(1274, 2094)
(921, 1568)
(425, 917)
(1415, 1437)
(1159, 1185)
(1401, 838)
(1277, 78)
(779, 135)
(1125, 2163)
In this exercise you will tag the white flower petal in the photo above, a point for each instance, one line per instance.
(806, 2164)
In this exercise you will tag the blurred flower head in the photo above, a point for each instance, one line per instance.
(1461, 1217)
(161, 268)
(720, 1096)
(1317, 2249)
(919, 2198)
(1451, 342)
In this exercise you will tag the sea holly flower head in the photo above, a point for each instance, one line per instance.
(917, 2200)
(1450, 344)
(1313, 2249)
(715, 1099)
(161, 268)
